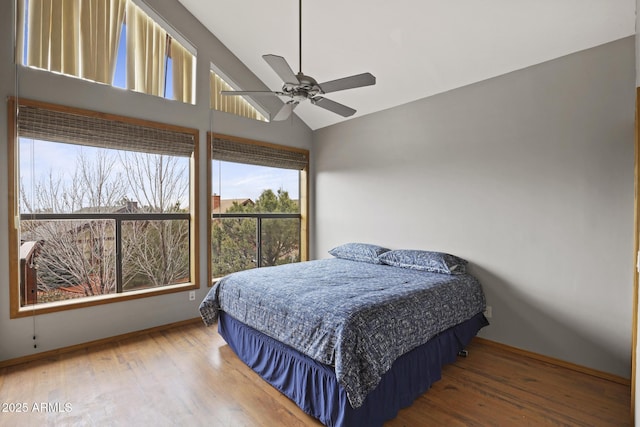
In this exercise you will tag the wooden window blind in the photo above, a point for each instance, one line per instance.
(74, 126)
(231, 149)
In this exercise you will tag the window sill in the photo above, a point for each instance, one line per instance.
(52, 307)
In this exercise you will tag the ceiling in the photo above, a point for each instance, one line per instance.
(415, 48)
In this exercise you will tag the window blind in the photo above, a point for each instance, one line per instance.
(100, 130)
(100, 28)
(230, 104)
(54, 35)
(81, 38)
(183, 72)
(146, 52)
(229, 149)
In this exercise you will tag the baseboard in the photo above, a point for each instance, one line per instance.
(521, 352)
(557, 362)
(58, 351)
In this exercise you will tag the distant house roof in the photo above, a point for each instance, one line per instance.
(35, 234)
(128, 207)
(219, 205)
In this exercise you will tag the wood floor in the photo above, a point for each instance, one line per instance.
(188, 376)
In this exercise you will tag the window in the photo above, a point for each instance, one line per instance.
(114, 42)
(114, 220)
(259, 204)
(232, 104)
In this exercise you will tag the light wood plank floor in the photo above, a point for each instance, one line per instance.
(188, 376)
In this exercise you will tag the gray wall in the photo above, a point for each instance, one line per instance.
(82, 325)
(529, 176)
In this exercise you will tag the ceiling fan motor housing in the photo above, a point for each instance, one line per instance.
(307, 87)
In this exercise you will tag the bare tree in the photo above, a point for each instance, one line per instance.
(96, 183)
(76, 254)
(157, 181)
(156, 253)
(92, 184)
(82, 253)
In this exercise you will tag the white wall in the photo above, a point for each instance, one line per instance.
(529, 176)
(82, 325)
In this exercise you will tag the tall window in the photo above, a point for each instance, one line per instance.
(232, 104)
(103, 204)
(258, 206)
(115, 42)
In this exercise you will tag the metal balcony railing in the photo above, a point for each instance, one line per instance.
(39, 227)
(261, 225)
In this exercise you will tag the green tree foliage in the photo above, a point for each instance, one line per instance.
(234, 243)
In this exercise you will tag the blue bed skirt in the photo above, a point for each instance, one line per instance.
(313, 385)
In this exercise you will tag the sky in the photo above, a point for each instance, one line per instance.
(229, 180)
(50, 157)
(237, 181)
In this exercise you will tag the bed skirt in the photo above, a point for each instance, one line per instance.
(313, 385)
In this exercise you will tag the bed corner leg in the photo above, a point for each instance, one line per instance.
(463, 353)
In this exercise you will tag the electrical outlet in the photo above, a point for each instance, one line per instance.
(488, 312)
(192, 295)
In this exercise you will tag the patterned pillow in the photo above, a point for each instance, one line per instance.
(363, 252)
(436, 262)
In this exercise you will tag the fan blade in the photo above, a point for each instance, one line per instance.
(333, 106)
(281, 67)
(249, 92)
(285, 111)
(359, 80)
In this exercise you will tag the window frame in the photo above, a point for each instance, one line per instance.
(16, 309)
(303, 196)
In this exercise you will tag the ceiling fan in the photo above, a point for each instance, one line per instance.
(300, 87)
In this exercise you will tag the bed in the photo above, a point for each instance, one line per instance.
(354, 338)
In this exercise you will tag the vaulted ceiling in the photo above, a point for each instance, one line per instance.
(415, 48)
